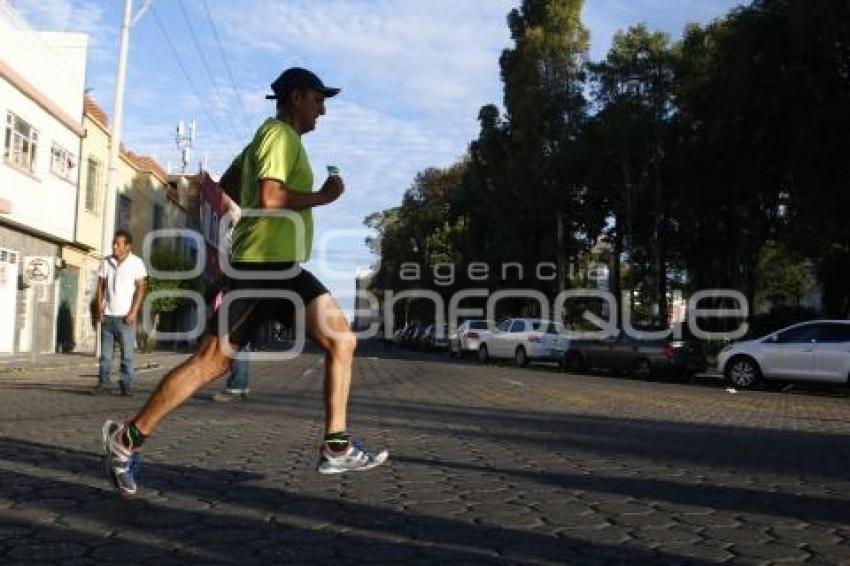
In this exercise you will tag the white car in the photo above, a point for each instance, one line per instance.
(810, 351)
(523, 340)
(467, 337)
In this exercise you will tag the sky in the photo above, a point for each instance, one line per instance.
(413, 76)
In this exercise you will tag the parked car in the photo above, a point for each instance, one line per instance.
(466, 338)
(398, 335)
(523, 340)
(641, 358)
(809, 351)
(410, 336)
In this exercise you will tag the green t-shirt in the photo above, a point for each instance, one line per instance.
(274, 153)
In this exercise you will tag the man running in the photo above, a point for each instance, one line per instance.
(275, 175)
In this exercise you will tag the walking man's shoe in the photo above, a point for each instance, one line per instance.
(354, 459)
(126, 389)
(229, 395)
(122, 465)
(100, 389)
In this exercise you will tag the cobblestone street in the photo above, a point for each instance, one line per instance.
(488, 464)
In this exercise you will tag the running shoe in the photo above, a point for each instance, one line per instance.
(122, 465)
(229, 395)
(355, 459)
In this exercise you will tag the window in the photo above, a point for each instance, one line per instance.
(518, 326)
(798, 335)
(8, 256)
(21, 144)
(504, 325)
(835, 333)
(545, 326)
(92, 184)
(158, 217)
(125, 206)
(63, 163)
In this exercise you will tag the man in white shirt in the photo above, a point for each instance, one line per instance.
(120, 290)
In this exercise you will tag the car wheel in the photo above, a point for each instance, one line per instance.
(520, 357)
(642, 369)
(743, 372)
(573, 363)
(483, 355)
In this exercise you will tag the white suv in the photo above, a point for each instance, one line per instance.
(810, 351)
(524, 340)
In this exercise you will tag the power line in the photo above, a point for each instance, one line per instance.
(188, 77)
(226, 64)
(206, 65)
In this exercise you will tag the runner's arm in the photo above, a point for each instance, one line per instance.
(274, 194)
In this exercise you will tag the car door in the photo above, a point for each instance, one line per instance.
(791, 353)
(832, 352)
(499, 337)
(623, 353)
(515, 336)
(600, 352)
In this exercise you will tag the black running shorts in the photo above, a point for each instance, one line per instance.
(246, 314)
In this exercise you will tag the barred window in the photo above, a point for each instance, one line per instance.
(20, 146)
(92, 185)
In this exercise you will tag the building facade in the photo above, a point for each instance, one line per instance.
(42, 77)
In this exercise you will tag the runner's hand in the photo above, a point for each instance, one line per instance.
(332, 189)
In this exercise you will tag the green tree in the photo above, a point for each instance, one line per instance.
(783, 276)
(625, 147)
(165, 259)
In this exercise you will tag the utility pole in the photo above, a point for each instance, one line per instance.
(110, 197)
(127, 22)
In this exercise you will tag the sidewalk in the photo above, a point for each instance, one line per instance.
(26, 362)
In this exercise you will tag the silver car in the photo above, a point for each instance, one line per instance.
(523, 340)
(467, 337)
(810, 351)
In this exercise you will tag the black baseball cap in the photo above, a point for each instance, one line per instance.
(296, 77)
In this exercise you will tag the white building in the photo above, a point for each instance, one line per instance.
(42, 79)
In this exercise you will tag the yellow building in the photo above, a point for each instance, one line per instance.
(141, 188)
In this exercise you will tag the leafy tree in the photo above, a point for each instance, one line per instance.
(783, 276)
(625, 144)
(165, 259)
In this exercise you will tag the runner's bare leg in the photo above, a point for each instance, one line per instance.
(336, 339)
(205, 365)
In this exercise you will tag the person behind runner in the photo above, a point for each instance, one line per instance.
(120, 289)
(276, 175)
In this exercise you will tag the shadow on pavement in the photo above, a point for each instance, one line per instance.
(734, 499)
(678, 443)
(68, 512)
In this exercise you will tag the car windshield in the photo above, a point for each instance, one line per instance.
(478, 325)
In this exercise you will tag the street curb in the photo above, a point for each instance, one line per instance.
(22, 367)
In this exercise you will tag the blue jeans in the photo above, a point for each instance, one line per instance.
(115, 329)
(239, 373)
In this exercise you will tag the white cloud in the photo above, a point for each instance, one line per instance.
(432, 57)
